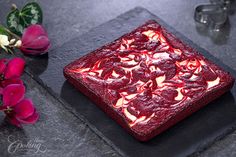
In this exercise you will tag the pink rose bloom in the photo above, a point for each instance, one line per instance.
(34, 40)
(10, 71)
(18, 109)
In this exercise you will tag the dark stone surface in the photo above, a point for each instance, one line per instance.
(65, 20)
(194, 133)
(59, 132)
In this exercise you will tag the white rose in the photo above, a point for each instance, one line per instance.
(4, 41)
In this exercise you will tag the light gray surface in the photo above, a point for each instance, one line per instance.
(67, 19)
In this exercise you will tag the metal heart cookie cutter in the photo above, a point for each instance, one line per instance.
(213, 15)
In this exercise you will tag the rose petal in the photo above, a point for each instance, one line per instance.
(2, 65)
(13, 94)
(7, 82)
(15, 68)
(24, 109)
(40, 42)
(30, 120)
(1, 90)
(31, 32)
(34, 52)
(14, 121)
(38, 46)
(2, 107)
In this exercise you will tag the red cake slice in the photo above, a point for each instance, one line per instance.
(148, 80)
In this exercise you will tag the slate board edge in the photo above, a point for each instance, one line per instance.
(177, 34)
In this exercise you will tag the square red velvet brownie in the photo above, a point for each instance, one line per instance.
(148, 80)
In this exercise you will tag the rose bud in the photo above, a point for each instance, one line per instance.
(34, 41)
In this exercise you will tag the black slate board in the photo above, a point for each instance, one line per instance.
(189, 136)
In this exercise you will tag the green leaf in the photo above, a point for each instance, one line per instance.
(31, 14)
(18, 20)
(3, 31)
(13, 22)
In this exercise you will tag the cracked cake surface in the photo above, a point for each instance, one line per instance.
(148, 80)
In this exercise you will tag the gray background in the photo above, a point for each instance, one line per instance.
(65, 20)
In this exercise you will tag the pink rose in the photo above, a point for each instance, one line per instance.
(10, 71)
(34, 40)
(18, 109)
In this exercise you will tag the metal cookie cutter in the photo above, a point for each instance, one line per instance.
(214, 15)
(225, 3)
